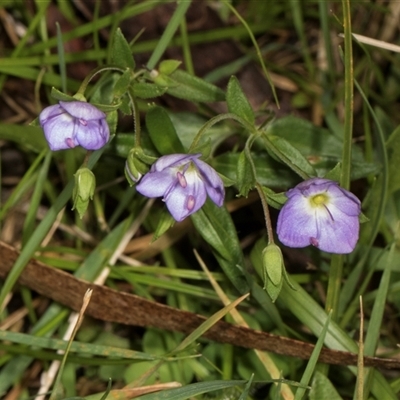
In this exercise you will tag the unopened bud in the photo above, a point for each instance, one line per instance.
(273, 270)
(134, 167)
(85, 185)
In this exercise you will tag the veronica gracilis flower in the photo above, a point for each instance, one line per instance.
(74, 123)
(183, 181)
(319, 212)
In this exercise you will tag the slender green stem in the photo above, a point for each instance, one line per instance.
(264, 203)
(187, 56)
(215, 120)
(336, 268)
(258, 51)
(93, 73)
(136, 118)
(348, 97)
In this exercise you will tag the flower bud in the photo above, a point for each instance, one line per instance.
(134, 167)
(85, 184)
(273, 270)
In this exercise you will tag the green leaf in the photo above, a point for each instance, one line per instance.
(322, 149)
(146, 90)
(194, 389)
(276, 200)
(237, 101)
(216, 227)
(245, 177)
(162, 131)
(121, 52)
(122, 84)
(188, 87)
(289, 155)
(166, 221)
(323, 389)
(269, 172)
(393, 149)
(31, 137)
(76, 347)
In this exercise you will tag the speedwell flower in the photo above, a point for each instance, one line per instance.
(184, 182)
(74, 123)
(319, 212)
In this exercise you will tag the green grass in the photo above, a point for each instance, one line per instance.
(303, 102)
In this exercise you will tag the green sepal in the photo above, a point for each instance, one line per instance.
(363, 218)
(121, 54)
(60, 96)
(272, 290)
(162, 132)
(107, 107)
(237, 101)
(112, 120)
(134, 167)
(85, 185)
(245, 176)
(273, 264)
(334, 173)
(167, 67)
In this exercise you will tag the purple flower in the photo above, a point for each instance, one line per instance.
(319, 212)
(184, 182)
(74, 123)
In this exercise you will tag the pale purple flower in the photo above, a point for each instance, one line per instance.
(74, 123)
(184, 182)
(319, 212)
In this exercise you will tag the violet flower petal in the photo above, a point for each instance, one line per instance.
(212, 182)
(156, 184)
(82, 110)
(321, 213)
(173, 160)
(183, 201)
(74, 123)
(92, 135)
(184, 183)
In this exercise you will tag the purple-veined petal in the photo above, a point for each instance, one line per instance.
(156, 184)
(50, 112)
(338, 232)
(183, 201)
(92, 135)
(213, 183)
(173, 160)
(345, 201)
(329, 222)
(82, 110)
(59, 132)
(296, 222)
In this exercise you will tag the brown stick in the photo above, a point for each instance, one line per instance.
(111, 305)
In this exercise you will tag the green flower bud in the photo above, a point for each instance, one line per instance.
(162, 79)
(85, 184)
(135, 168)
(273, 270)
(167, 67)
